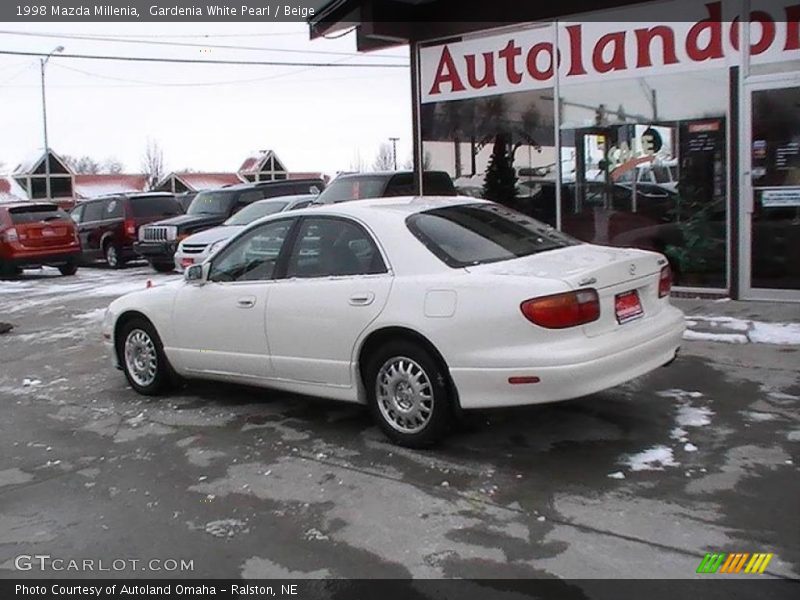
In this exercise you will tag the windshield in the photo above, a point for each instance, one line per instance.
(254, 212)
(474, 234)
(353, 188)
(211, 203)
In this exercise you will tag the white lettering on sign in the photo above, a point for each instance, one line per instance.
(593, 51)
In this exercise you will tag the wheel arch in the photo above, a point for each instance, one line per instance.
(123, 319)
(375, 339)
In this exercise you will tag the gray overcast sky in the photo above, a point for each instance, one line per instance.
(315, 119)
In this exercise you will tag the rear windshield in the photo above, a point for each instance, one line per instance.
(255, 211)
(211, 203)
(36, 213)
(474, 234)
(435, 183)
(155, 206)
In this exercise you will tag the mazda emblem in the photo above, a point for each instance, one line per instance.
(632, 269)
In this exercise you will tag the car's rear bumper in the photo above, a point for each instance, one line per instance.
(586, 372)
(161, 252)
(47, 256)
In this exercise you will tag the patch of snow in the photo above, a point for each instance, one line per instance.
(793, 436)
(690, 448)
(679, 394)
(678, 433)
(652, 459)
(92, 315)
(785, 334)
(726, 322)
(617, 475)
(758, 417)
(315, 534)
(727, 338)
(692, 416)
(30, 382)
(226, 528)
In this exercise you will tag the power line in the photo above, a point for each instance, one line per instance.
(102, 38)
(262, 63)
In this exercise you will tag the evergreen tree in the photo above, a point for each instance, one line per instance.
(500, 182)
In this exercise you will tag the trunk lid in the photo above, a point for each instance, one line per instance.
(610, 271)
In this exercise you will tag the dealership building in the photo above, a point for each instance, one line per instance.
(671, 125)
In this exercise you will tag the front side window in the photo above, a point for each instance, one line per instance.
(328, 247)
(474, 234)
(253, 256)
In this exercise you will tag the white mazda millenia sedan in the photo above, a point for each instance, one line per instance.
(417, 307)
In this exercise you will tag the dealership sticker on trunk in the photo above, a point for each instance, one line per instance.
(628, 307)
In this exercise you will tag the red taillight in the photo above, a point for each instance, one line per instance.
(9, 235)
(130, 227)
(563, 310)
(665, 282)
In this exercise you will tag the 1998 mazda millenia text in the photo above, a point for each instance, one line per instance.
(416, 307)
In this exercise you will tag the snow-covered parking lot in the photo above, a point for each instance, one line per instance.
(640, 481)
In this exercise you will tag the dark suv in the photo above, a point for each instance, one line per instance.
(159, 241)
(357, 186)
(109, 226)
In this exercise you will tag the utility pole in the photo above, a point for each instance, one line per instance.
(43, 63)
(394, 151)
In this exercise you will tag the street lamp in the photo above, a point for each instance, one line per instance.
(394, 151)
(43, 62)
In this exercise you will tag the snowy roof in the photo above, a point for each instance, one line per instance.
(256, 161)
(92, 186)
(207, 181)
(309, 175)
(6, 197)
(33, 159)
(11, 188)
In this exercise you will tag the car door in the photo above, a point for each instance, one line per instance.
(220, 325)
(89, 228)
(336, 284)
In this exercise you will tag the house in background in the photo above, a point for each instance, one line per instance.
(29, 179)
(10, 191)
(180, 183)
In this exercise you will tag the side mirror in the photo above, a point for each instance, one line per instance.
(197, 274)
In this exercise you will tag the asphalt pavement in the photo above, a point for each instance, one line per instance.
(639, 481)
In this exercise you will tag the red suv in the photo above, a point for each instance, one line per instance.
(33, 234)
(109, 226)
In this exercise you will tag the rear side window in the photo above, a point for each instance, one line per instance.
(155, 206)
(36, 213)
(92, 212)
(474, 234)
(291, 189)
(113, 209)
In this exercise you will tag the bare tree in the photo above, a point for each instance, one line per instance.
(427, 160)
(111, 165)
(384, 161)
(357, 163)
(83, 165)
(153, 163)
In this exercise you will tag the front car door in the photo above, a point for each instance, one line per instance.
(220, 325)
(89, 227)
(337, 282)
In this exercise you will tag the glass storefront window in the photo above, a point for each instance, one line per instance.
(641, 166)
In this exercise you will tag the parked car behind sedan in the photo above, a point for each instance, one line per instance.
(387, 184)
(416, 307)
(159, 241)
(196, 248)
(34, 234)
(109, 226)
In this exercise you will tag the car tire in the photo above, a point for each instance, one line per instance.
(408, 393)
(142, 357)
(112, 256)
(163, 267)
(69, 269)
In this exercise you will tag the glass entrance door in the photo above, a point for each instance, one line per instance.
(771, 229)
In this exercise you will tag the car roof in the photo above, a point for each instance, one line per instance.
(403, 205)
(382, 174)
(258, 184)
(287, 198)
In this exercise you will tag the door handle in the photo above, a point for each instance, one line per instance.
(246, 302)
(364, 299)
